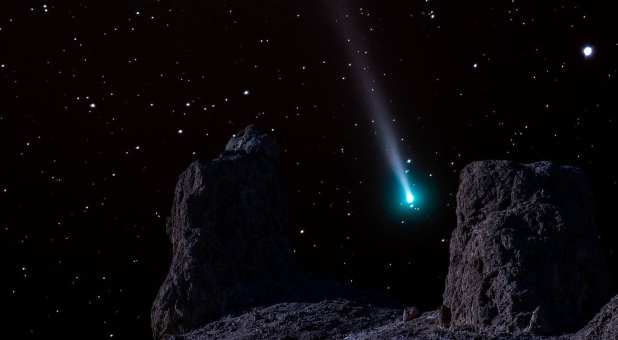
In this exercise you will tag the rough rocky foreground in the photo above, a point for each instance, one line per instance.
(342, 319)
(525, 260)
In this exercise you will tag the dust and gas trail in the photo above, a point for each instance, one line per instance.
(365, 77)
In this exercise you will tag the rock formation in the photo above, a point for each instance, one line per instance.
(227, 232)
(525, 255)
(525, 260)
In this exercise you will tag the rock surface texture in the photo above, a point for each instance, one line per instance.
(331, 319)
(604, 326)
(339, 319)
(525, 256)
(525, 261)
(227, 232)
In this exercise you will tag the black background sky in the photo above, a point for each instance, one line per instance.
(93, 95)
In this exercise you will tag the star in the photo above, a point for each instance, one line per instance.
(588, 51)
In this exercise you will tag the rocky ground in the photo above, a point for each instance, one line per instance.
(342, 319)
(332, 319)
(525, 261)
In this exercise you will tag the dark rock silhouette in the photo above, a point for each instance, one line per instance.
(525, 256)
(227, 231)
(230, 250)
(525, 261)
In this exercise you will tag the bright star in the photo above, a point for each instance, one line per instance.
(588, 51)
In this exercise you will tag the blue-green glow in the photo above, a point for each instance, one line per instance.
(409, 197)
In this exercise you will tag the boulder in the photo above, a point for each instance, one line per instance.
(525, 255)
(228, 237)
(411, 313)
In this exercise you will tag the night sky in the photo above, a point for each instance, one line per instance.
(103, 104)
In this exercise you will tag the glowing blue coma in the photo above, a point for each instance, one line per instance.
(409, 198)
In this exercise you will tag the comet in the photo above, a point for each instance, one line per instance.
(369, 88)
